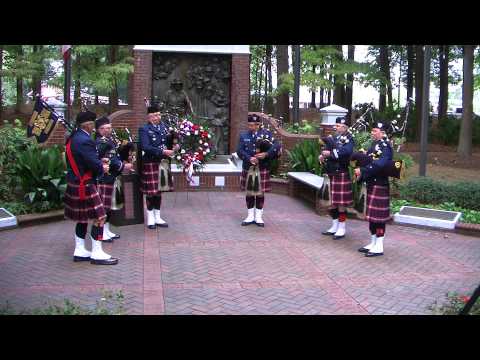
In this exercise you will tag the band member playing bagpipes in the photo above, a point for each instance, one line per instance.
(154, 141)
(82, 200)
(375, 174)
(256, 147)
(336, 158)
(108, 183)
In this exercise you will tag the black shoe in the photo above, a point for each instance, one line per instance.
(260, 224)
(116, 237)
(245, 223)
(328, 233)
(363, 250)
(162, 225)
(109, 240)
(111, 261)
(81, 258)
(152, 227)
(336, 237)
(370, 254)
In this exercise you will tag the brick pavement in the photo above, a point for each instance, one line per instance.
(206, 263)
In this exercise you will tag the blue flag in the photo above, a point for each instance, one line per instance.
(42, 122)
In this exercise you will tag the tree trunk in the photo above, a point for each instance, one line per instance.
(113, 96)
(96, 97)
(282, 106)
(385, 70)
(465, 140)
(322, 94)
(329, 92)
(77, 97)
(268, 102)
(418, 89)
(349, 87)
(410, 70)
(1, 81)
(37, 79)
(19, 102)
(443, 97)
(339, 90)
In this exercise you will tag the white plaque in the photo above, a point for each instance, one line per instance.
(219, 180)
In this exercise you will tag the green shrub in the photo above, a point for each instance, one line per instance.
(13, 141)
(304, 157)
(42, 176)
(425, 190)
(304, 127)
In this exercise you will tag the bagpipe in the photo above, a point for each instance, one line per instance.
(263, 144)
(393, 168)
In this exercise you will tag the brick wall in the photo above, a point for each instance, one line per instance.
(239, 94)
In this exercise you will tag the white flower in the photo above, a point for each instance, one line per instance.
(196, 153)
(170, 128)
(209, 136)
(208, 150)
(196, 132)
(182, 151)
(204, 153)
(179, 157)
(200, 148)
(188, 133)
(206, 144)
(200, 142)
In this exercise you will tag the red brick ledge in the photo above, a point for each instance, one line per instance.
(40, 218)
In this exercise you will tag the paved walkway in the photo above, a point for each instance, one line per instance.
(206, 263)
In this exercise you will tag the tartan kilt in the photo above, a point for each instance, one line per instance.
(341, 189)
(83, 210)
(149, 179)
(378, 204)
(105, 191)
(265, 184)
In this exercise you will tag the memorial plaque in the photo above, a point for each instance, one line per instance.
(198, 84)
(427, 217)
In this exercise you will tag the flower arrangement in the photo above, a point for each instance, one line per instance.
(194, 148)
(455, 303)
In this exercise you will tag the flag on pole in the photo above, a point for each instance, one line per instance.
(42, 122)
(65, 52)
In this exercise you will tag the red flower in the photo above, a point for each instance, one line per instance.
(464, 298)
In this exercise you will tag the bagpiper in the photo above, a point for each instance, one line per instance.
(82, 200)
(155, 140)
(255, 179)
(336, 159)
(378, 189)
(108, 150)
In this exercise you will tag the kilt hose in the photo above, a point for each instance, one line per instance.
(341, 189)
(106, 192)
(149, 179)
(378, 203)
(265, 184)
(83, 210)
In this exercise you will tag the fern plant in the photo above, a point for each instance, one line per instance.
(304, 157)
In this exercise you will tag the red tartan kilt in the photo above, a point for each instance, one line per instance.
(378, 204)
(83, 210)
(106, 191)
(341, 189)
(265, 184)
(149, 179)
